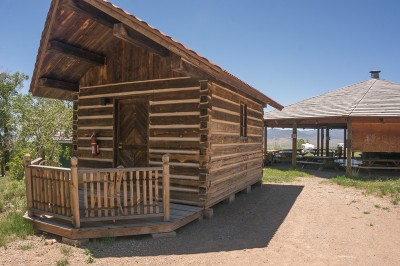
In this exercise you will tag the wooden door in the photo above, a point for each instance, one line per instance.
(132, 133)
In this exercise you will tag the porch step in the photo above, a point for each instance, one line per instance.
(180, 216)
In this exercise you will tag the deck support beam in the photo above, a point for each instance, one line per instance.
(294, 145)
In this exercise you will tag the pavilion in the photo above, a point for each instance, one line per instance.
(367, 111)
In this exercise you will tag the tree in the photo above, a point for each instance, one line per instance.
(42, 124)
(299, 143)
(9, 86)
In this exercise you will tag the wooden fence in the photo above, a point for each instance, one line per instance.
(95, 195)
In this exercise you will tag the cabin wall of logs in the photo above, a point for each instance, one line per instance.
(201, 124)
(196, 122)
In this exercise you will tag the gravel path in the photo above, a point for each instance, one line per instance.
(307, 222)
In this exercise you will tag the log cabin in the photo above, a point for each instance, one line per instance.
(143, 95)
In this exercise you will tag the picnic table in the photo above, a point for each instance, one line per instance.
(377, 164)
(320, 161)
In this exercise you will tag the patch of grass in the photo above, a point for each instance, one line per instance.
(66, 251)
(12, 226)
(62, 262)
(89, 254)
(12, 195)
(281, 176)
(12, 207)
(375, 186)
(26, 246)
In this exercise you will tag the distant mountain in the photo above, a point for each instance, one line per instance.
(281, 138)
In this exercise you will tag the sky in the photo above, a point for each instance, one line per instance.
(288, 49)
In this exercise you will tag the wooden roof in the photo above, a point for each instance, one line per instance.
(369, 99)
(75, 38)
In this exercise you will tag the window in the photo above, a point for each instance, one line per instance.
(243, 120)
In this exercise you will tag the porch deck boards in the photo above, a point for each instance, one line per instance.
(180, 216)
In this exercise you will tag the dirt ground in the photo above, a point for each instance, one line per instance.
(307, 222)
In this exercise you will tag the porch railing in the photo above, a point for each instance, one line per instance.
(95, 195)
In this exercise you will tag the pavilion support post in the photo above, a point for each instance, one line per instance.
(317, 142)
(344, 141)
(294, 145)
(348, 148)
(265, 144)
(322, 141)
(327, 142)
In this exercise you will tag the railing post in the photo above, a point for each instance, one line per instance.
(165, 178)
(28, 183)
(75, 192)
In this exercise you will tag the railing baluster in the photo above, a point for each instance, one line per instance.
(112, 187)
(151, 203)
(105, 192)
(39, 180)
(85, 195)
(144, 193)
(62, 194)
(98, 194)
(92, 196)
(156, 191)
(125, 194)
(68, 179)
(58, 185)
(118, 192)
(138, 210)
(132, 201)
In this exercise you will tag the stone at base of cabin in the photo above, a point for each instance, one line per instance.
(247, 190)
(230, 199)
(208, 213)
(258, 183)
(164, 235)
(75, 242)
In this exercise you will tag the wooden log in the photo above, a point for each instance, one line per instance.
(28, 183)
(75, 192)
(76, 52)
(120, 31)
(166, 191)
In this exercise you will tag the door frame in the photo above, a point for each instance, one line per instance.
(142, 99)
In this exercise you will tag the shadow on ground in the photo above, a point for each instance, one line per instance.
(251, 221)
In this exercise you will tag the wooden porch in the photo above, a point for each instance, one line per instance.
(93, 203)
